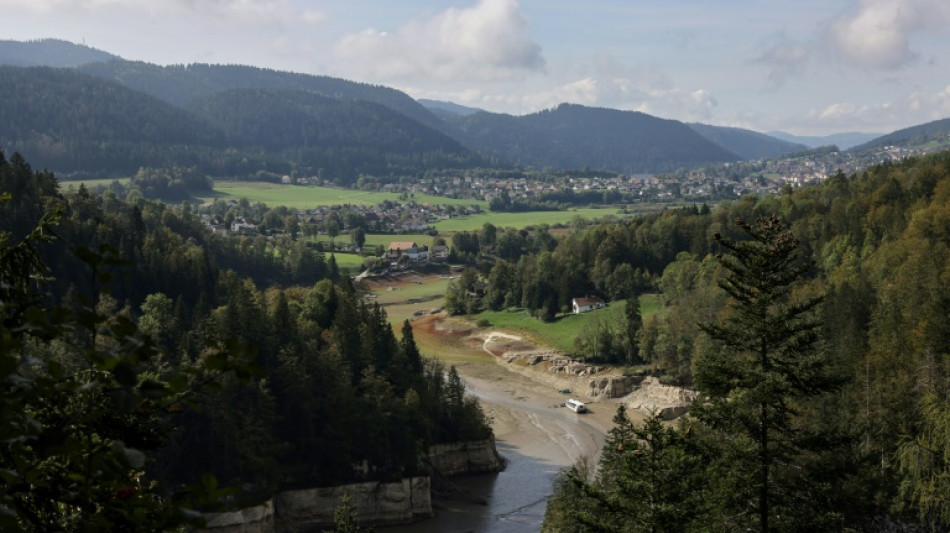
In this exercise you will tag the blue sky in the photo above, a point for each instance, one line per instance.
(805, 66)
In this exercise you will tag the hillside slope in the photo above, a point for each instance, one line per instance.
(49, 53)
(936, 131)
(575, 137)
(746, 143)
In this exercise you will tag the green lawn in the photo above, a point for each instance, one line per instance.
(561, 333)
(430, 291)
(352, 262)
(305, 196)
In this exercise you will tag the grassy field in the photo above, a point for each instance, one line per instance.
(561, 333)
(521, 220)
(352, 262)
(382, 239)
(302, 196)
(431, 292)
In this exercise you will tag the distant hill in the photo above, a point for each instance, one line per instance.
(746, 143)
(72, 122)
(938, 130)
(576, 137)
(843, 141)
(449, 107)
(181, 84)
(340, 137)
(67, 121)
(49, 53)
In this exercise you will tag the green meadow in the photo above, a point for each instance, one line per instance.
(352, 262)
(305, 196)
(560, 333)
(521, 220)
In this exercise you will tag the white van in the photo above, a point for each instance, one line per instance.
(576, 406)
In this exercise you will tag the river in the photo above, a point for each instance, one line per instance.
(537, 437)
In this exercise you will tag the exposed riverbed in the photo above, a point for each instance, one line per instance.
(536, 435)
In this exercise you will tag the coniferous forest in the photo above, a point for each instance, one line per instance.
(151, 370)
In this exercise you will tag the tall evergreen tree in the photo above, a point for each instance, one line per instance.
(766, 364)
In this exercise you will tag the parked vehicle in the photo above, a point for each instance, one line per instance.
(576, 405)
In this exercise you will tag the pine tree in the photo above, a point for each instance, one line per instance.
(767, 362)
(651, 481)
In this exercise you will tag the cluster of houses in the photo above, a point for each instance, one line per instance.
(715, 182)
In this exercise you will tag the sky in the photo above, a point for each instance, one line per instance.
(807, 67)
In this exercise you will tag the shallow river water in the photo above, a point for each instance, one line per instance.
(537, 437)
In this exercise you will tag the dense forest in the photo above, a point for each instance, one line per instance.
(139, 377)
(81, 125)
(826, 308)
(574, 136)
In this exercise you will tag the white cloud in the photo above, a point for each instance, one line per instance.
(786, 58)
(877, 33)
(914, 108)
(486, 42)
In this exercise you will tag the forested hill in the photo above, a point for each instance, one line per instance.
(181, 84)
(573, 137)
(335, 137)
(72, 122)
(68, 121)
(936, 131)
(49, 53)
(746, 143)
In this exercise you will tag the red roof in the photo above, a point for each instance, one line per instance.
(393, 246)
(593, 300)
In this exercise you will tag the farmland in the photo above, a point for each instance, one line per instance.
(305, 197)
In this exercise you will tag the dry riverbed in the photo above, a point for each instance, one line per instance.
(535, 433)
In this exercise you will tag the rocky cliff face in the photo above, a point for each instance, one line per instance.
(302, 511)
(376, 503)
(474, 457)
(646, 394)
(258, 519)
(668, 400)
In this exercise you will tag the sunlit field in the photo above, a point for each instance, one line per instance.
(560, 333)
(305, 196)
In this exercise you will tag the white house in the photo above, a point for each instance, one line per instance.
(583, 305)
(410, 249)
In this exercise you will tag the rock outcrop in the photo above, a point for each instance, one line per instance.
(389, 503)
(475, 457)
(301, 511)
(613, 386)
(257, 519)
(645, 394)
(652, 396)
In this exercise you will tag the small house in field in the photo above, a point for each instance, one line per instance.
(583, 305)
(410, 249)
